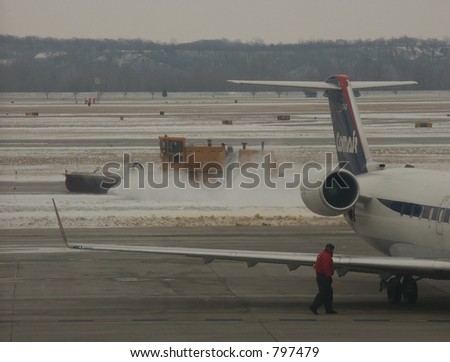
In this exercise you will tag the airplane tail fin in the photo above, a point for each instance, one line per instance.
(351, 143)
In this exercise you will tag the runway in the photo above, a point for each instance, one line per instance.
(50, 293)
(398, 140)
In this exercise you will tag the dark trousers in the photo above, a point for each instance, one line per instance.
(325, 295)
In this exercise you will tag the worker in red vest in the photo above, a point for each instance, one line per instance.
(324, 270)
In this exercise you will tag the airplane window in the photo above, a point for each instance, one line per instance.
(416, 210)
(447, 216)
(434, 213)
(426, 212)
(393, 205)
(406, 209)
(440, 215)
(396, 206)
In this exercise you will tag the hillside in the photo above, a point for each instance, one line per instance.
(50, 65)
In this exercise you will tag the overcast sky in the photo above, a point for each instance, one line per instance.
(272, 21)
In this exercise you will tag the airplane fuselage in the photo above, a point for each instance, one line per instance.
(404, 212)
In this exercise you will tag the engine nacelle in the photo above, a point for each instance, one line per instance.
(334, 193)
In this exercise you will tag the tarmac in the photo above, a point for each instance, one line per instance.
(51, 293)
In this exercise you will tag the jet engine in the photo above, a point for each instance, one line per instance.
(332, 194)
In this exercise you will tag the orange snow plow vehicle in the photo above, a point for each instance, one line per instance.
(176, 153)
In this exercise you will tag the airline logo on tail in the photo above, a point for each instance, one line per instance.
(347, 144)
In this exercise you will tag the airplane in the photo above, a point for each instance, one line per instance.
(402, 212)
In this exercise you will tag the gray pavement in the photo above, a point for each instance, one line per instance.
(49, 293)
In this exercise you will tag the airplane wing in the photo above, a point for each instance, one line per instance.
(426, 268)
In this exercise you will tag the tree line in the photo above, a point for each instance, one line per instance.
(32, 64)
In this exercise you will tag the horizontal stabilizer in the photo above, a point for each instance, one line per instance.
(291, 84)
(324, 85)
(374, 85)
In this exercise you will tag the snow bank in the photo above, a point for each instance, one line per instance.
(36, 211)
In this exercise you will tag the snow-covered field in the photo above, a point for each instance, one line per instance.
(193, 116)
